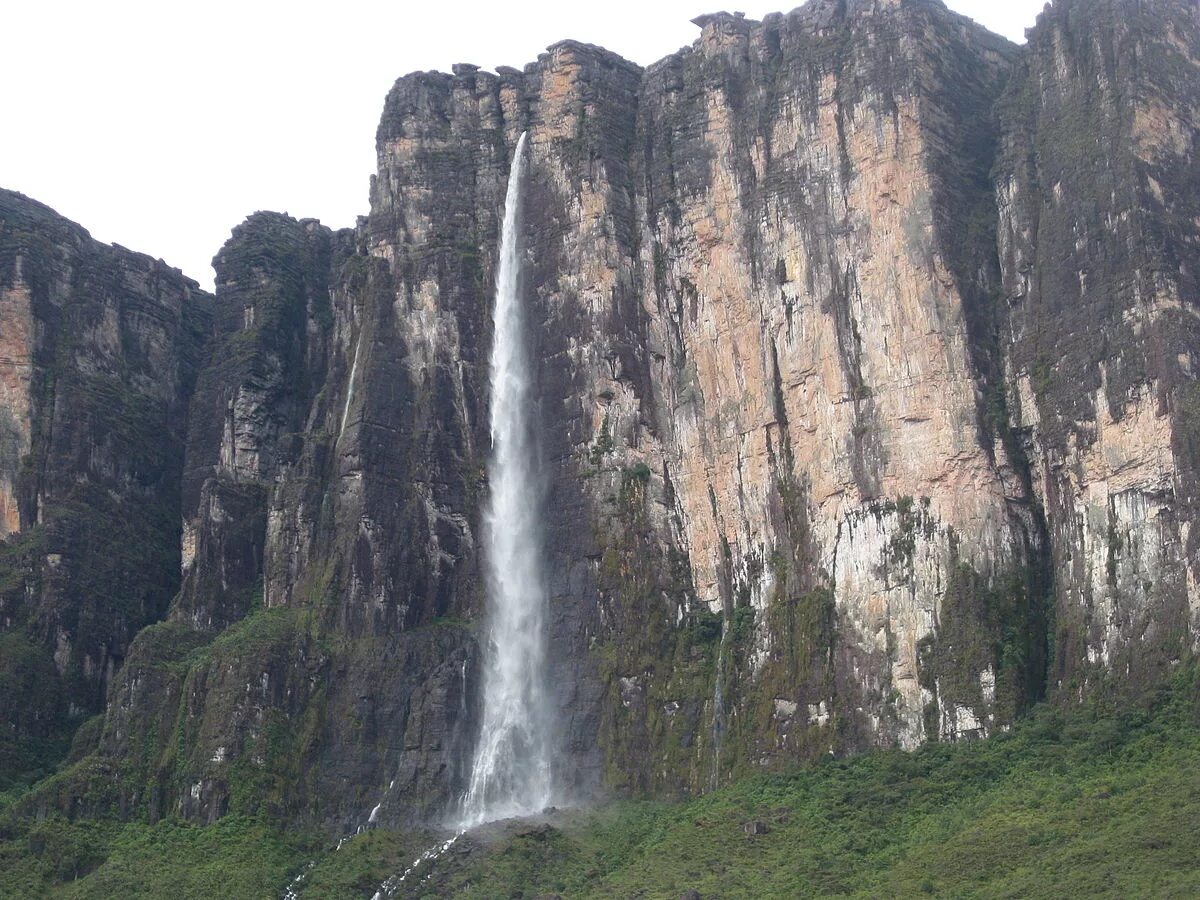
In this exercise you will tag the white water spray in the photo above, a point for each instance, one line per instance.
(511, 775)
(389, 888)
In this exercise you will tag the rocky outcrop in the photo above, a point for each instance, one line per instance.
(100, 348)
(316, 660)
(813, 303)
(251, 407)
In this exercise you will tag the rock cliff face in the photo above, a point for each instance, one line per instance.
(99, 349)
(1099, 219)
(814, 301)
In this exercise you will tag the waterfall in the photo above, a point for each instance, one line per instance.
(511, 775)
(350, 388)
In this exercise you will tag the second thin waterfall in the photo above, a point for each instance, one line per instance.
(511, 775)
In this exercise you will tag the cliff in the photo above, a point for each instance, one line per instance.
(99, 350)
(1096, 188)
(864, 344)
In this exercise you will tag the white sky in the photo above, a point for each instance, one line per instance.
(160, 125)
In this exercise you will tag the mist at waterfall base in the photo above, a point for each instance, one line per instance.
(511, 774)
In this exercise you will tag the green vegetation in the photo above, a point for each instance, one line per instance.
(1093, 802)
(637, 472)
(357, 870)
(984, 627)
(604, 443)
(658, 673)
(1087, 804)
(30, 694)
(236, 857)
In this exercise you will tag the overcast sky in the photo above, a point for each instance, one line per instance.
(161, 125)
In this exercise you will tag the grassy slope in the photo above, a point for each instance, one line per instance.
(1089, 804)
(236, 858)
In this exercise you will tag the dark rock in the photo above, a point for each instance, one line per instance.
(99, 351)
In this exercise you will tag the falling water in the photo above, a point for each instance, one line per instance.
(511, 773)
(389, 888)
(350, 389)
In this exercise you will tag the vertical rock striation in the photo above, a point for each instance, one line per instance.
(297, 672)
(1099, 228)
(99, 349)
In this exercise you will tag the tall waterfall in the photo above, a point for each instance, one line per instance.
(511, 775)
